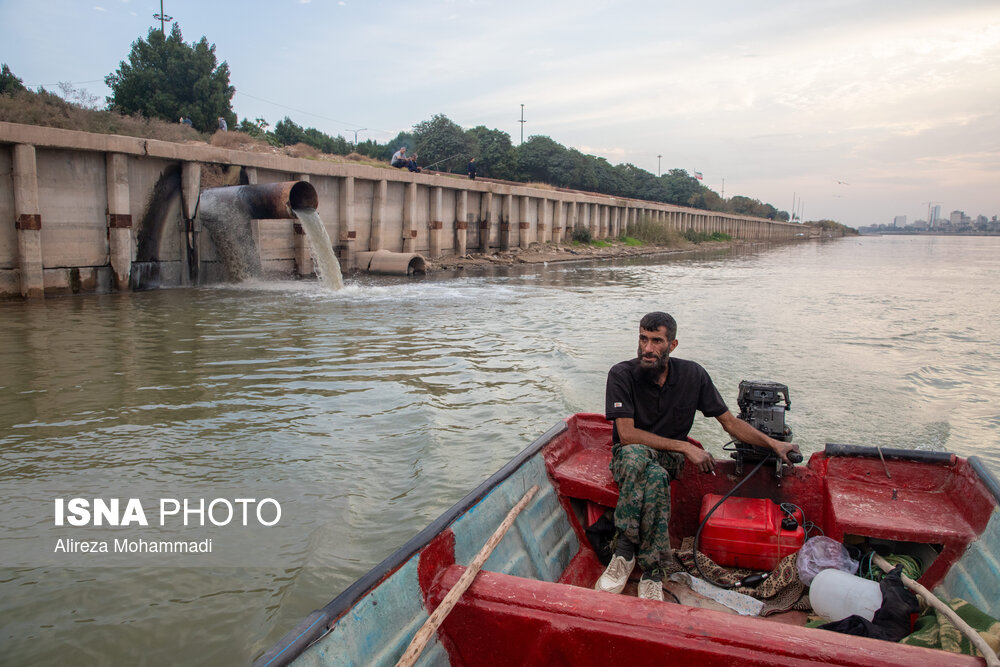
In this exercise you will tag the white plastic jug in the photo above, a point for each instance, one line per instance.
(836, 595)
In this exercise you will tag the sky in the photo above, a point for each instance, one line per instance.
(855, 111)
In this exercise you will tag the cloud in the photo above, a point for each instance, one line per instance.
(99, 9)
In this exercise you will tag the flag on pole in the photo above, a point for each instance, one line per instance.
(697, 175)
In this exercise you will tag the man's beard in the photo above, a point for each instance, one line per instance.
(650, 369)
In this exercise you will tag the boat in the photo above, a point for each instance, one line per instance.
(533, 603)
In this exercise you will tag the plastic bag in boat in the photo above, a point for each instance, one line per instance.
(821, 552)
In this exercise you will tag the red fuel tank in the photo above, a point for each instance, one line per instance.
(747, 532)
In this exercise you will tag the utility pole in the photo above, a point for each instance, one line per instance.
(793, 207)
(723, 188)
(522, 121)
(658, 158)
(162, 18)
(356, 135)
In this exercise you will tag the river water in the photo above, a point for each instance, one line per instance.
(368, 411)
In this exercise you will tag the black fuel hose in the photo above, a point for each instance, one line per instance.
(697, 536)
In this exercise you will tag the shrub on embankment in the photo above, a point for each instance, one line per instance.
(646, 230)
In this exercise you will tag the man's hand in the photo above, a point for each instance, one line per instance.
(783, 448)
(700, 458)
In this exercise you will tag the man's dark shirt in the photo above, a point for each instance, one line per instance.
(666, 411)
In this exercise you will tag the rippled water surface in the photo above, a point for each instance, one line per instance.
(369, 411)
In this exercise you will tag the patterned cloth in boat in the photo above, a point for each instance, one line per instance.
(782, 591)
(934, 630)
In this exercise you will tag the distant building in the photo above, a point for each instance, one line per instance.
(956, 217)
(935, 216)
(899, 221)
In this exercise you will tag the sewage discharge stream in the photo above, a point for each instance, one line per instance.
(327, 265)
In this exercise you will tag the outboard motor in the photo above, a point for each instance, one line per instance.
(763, 405)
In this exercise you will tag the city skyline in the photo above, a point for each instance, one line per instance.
(856, 112)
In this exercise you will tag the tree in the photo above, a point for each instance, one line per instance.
(583, 174)
(442, 143)
(8, 82)
(609, 180)
(682, 188)
(493, 151)
(541, 159)
(289, 133)
(166, 78)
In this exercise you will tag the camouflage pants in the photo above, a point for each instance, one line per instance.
(643, 509)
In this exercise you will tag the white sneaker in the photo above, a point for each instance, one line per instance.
(616, 576)
(651, 590)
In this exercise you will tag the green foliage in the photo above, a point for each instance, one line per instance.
(542, 159)
(703, 237)
(630, 241)
(442, 145)
(166, 78)
(754, 207)
(495, 155)
(647, 230)
(8, 82)
(582, 234)
(831, 226)
(258, 130)
(372, 149)
(680, 187)
(288, 133)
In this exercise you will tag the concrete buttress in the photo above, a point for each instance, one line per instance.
(462, 220)
(28, 221)
(119, 219)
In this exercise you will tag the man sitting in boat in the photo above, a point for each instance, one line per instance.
(651, 401)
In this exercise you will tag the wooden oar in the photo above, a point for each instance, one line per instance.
(436, 618)
(932, 600)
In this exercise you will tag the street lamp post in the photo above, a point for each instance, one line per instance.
(522, 122)
(162, 18)
(356, 135)
(658, 158)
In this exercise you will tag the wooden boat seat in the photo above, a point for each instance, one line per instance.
(861, 500)
(586, 475)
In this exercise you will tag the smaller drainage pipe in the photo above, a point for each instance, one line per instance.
(391, 263)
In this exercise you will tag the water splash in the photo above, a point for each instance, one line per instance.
(326, 263)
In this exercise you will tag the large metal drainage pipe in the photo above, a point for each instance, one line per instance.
(226, 214)
(391, 263)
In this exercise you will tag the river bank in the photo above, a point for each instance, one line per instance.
(547, 253)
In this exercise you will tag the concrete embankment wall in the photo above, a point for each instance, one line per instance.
(87, 212)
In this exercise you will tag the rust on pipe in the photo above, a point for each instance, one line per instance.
(227, 212)
(267, 200)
